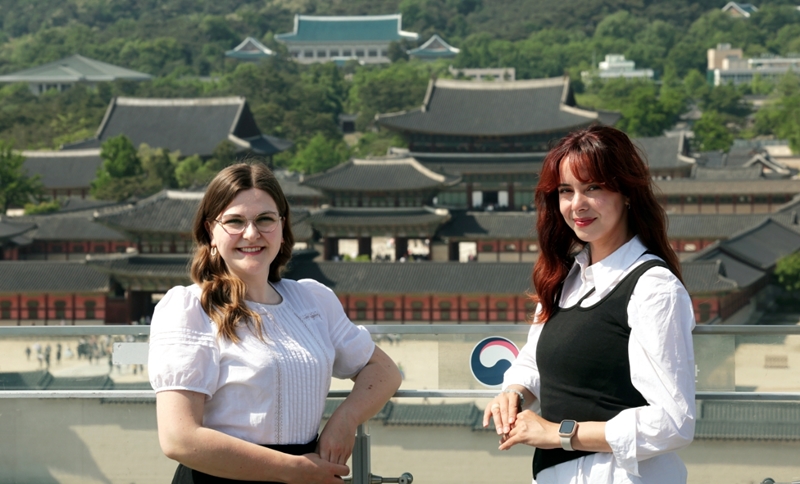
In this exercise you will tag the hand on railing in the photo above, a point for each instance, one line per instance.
(405, 478)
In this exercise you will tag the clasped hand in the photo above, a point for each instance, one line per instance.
(519, 427)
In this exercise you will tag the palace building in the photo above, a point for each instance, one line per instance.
(493, 135)
(365, 38)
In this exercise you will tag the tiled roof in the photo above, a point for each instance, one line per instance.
(190, 126)
(490, 225)
(716, 226)
(50, 276)
(665, 151)
(11, 229)
(362, 28)
(170, 211)
(166, 266)
(417, 277)
(706, 276)
(249, 49)
(167, 211)
(434, 48)
(493, 109)
(75, 226)
(688, 186)
(292, 186)
(378, 217)
(743, 273)
(301, 228)
(481, 165)
(75, 68)
(727, 173)
(63, 169)
(763, 245)
(792, 205)
(379, 175)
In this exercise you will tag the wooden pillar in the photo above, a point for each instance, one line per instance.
(452, 251)
(511, 196)
(469, 196)
(19, 309)
(330, 248)
(365, 246)
(400, 247)
(46, 308)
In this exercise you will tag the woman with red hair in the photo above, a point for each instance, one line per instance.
(609, 357)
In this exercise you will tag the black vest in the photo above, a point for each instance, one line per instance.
(582, 357)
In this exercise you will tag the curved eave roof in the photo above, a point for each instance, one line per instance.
(161, 213)
(50, 276)
(490, 225)
(686, 186)
(471, 108)
(389, 175)
(75, 68)
(9, 230)
(418, 278)
(361, 28)
(377, 217)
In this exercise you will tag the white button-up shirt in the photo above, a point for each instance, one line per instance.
(643, 439)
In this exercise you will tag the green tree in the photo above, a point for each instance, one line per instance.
(787, 271)
(121, 175)
(711, 133)
(16, 187)
(781, 115)
(159, 165)
(319, 155)
(186, 172)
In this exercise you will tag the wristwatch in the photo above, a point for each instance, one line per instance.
(566, 430)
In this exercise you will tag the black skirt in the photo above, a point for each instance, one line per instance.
(184, 475)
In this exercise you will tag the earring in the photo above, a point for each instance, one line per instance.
(213, 251)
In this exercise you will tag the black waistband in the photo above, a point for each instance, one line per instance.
(185, 475)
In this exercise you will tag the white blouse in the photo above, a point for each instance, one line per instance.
(265, 392)
(644, 439)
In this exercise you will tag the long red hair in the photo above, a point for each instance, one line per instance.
(607, 156)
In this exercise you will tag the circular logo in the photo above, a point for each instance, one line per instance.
(490, 359)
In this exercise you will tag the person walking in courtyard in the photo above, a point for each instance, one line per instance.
(242, 360)
(609, 355)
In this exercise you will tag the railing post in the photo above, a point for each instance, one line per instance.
(361, 456)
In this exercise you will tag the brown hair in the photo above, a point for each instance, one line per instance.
(223, 297)
(606, 156)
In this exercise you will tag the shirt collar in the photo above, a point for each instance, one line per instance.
(608, 271)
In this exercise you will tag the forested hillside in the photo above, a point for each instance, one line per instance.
(182, 43)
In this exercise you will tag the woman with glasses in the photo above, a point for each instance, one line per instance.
(609, 356)
(242, 360)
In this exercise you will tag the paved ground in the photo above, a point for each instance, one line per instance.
(13, 359)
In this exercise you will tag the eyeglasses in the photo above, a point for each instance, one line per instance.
(265, 223)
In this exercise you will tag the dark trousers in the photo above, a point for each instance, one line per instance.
(184, 475)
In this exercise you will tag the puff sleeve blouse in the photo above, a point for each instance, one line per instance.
(265, 392)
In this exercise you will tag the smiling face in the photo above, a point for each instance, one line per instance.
(597, 215)
(248, 255)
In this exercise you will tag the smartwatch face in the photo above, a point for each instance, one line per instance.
(567, 427)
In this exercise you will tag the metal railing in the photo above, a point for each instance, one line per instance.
(361, 465)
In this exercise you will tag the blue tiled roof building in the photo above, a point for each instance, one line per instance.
(365, 37)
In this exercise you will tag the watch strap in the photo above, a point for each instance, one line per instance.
(566, 442)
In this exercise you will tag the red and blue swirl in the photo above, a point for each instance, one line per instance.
(490, 359)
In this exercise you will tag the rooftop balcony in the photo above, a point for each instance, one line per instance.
(89, 416)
